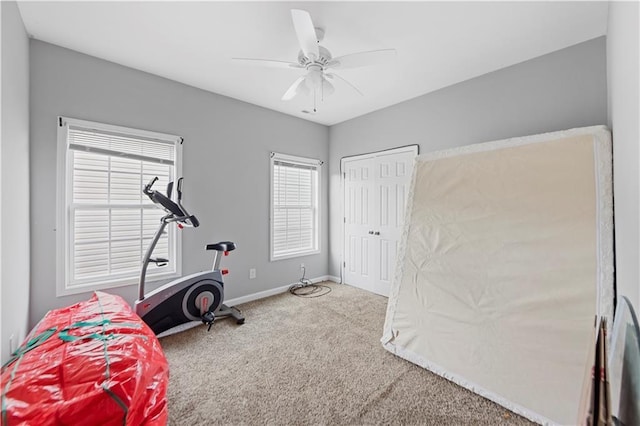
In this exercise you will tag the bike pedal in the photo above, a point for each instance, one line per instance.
(208, 318)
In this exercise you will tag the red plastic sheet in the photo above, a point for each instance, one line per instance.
(93, 363)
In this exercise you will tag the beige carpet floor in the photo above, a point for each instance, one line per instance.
(311, 361)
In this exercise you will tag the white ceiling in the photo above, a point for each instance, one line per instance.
(438, 43)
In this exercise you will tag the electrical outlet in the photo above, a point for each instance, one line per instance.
(12, 344)
(252, 273)
(301, 266)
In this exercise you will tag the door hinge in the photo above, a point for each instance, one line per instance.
(344, 220)
(344, 264)
(344, 175)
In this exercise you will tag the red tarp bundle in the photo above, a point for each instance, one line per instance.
(95, 362)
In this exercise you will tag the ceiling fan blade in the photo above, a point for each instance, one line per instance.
(307, 38)
(269, 63)
(332, 75)
(293, 89)
(362, 59)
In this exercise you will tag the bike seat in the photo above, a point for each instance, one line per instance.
(222, 246)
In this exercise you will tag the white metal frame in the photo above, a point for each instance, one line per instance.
(63, 214)
(317, 189)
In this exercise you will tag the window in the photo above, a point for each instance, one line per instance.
(295, 183)
(105, 222)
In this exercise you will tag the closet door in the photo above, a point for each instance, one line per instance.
(375, 194)
(392, 174)
(359, 210)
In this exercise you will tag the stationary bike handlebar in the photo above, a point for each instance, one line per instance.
(177, 212)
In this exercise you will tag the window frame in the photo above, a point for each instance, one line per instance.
(317, 192)
(64, 200)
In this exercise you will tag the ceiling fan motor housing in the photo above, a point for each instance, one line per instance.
(325, 57)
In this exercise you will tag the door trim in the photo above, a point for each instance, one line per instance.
(405, 148)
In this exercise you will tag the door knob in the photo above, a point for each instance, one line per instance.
(370, 232)
(376, 233)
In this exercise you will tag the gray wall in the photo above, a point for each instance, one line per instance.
(624, 118)
(558, 91)
(225, 165)
(14, 155)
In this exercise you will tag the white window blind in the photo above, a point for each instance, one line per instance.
(108, 222)
(294, 200)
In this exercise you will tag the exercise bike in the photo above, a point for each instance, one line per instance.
(196, 297)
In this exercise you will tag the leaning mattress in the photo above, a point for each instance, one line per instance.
(506, 258)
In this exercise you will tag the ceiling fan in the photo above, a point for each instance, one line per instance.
(317, 60)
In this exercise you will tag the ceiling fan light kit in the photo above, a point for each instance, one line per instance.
(316, 60)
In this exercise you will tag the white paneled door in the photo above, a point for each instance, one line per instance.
(375, 194)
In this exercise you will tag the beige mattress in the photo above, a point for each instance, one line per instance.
(505, 260)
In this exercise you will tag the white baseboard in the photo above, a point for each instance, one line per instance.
(256, 296)
(272, 292)
(320, 279)
(334, 279)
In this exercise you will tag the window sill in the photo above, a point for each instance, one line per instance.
(294, 255)
(107, 285)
